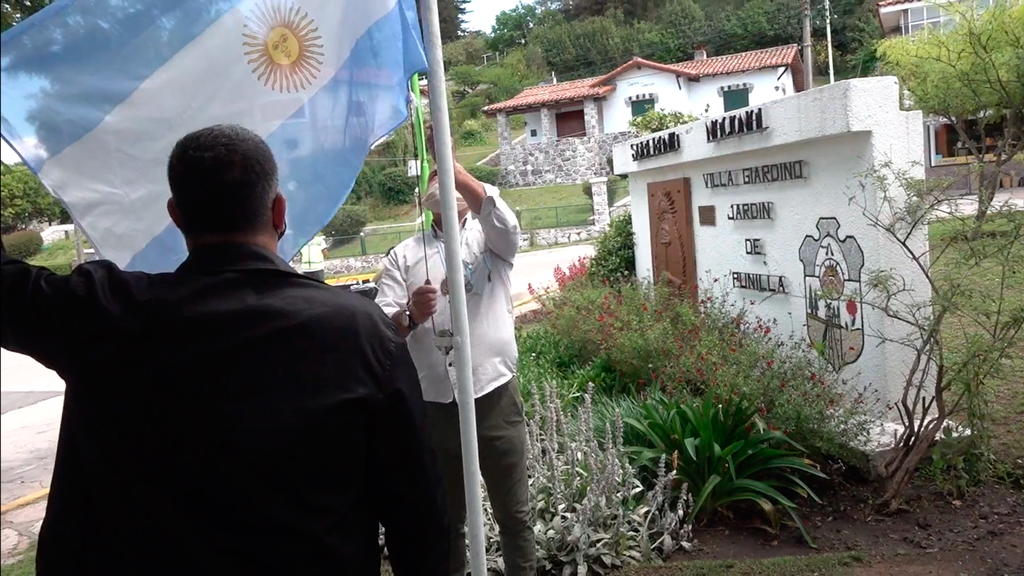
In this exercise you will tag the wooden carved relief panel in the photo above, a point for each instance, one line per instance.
(672, 245)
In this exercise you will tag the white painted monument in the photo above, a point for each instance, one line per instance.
(760, 198)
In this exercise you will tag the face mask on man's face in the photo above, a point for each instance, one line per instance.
(432, 201)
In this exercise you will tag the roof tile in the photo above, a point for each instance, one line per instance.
(575, 90)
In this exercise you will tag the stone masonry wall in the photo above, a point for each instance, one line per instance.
(353, 265)
(556, 236)
(565, 161)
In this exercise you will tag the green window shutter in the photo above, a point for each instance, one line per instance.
(735, 99)
(641, 107)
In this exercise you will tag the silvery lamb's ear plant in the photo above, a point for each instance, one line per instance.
(591, 515)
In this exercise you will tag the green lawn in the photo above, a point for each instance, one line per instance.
(467, 155)
(375, 243)
(25, 566)
(385, 216)
(830, 564)
(58, 256)
(1007, 390)
(550, 206)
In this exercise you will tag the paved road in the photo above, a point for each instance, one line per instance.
(32, 398)
(537, 267)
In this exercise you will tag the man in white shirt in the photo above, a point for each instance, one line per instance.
(418, 305)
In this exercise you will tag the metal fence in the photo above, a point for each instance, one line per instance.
(555, 216)
(371, 243)
(366, 244)
(617, 190)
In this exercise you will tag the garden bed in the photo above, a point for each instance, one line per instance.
(674, 373)
(982, 534)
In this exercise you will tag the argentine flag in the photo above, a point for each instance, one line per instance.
(96, 92)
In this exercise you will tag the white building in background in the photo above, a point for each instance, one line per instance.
(946, 156)
(594, 113)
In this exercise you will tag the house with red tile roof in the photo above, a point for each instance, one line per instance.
(581, 119)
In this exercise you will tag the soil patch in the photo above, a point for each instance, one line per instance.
(982, 534)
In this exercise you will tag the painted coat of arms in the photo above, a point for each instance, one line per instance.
(832, 292)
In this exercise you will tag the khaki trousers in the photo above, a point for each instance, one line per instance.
(501, 436)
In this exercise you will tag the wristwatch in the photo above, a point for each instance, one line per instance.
(408, 322)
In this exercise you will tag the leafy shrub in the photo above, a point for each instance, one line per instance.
(474, 131)
(23, 244)
(658, 120)
(547, 361)
(653, 338)
(590, 512)
(395, 187)
(485, 174)
(614, 257)
(347, 221)
(388, 185)
(725, 454)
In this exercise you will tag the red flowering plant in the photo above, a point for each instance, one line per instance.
(646, 337)
(574, 272)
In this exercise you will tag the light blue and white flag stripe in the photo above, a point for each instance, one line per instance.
(96, 92)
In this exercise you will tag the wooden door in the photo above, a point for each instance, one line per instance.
(570, 124)
(672, 247)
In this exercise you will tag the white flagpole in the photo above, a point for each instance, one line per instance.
(828, 32)
(456, 285)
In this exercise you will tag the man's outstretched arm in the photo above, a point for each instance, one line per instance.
(36, 307)
(47, 315)
(411, 499)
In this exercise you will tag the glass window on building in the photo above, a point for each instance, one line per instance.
(949, 147)
(736, 99)
(641, 107)
(915, 19)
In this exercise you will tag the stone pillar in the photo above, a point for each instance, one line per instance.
(547, 125)
(504, 131)
(599, 197)
(590, 117)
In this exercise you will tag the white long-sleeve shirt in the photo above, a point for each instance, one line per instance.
(490, 241)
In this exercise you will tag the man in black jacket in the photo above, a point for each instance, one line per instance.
(231, 417)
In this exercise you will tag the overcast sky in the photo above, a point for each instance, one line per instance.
(482, 13)
(7, 155)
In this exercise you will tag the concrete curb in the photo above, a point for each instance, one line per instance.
(24, 501)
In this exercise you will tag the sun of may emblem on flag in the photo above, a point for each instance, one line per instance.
(281, 41)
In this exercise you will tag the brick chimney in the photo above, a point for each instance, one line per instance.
(699, 53)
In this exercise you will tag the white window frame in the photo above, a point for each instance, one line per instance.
(917, 18)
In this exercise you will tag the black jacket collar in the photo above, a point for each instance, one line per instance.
(227, 257)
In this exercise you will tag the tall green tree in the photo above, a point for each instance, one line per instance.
(452, 18)
(593, 46)
(512, 27)
(24, 200)
(679, 27)
(14, 11)
(970, 74)
(757, 24)
(468, 50)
